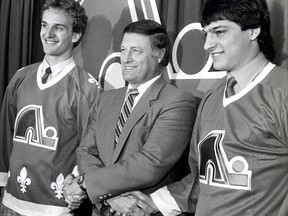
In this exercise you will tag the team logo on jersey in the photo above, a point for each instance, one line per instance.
(23, 180)
(58, 185)
(215, 168)
(29, 128)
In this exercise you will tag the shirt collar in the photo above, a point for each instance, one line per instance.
(143, 87)
(248, 73)
(56, 69)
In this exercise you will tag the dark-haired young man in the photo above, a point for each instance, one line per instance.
(121, 152)
(43, 114)
(239, 146)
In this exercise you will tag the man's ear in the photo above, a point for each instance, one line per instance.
(160, 54)
(76, 37)
(254, 33)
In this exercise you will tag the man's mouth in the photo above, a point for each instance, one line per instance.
(129, 67)
(216, 54)
(50, 42)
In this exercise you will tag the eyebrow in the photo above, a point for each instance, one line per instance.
(56, 24)
(62, 25)
(132, 47)
(215, 28)
(221, 26)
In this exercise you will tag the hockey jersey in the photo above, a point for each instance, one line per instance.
(239, 150)
(41, 125)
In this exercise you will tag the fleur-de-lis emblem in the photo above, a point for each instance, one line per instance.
(93, 80)
(58, 186)
(23, 180)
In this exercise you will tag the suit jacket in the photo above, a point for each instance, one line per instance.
(153, 139)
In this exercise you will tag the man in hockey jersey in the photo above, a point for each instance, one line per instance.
(42, 117)
(239, 146)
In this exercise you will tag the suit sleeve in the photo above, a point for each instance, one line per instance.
(169, 134)
(7, 119)
(87, 152)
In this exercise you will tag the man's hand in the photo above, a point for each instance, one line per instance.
(73, 193)
(146, 202)
(68, 180)
(132, 203)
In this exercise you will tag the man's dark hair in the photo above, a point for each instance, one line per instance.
(157, 33)
(248, 14)
(72, 9)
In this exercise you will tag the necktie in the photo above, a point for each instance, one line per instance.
(46, 75)
(125, 112)
(230, 87)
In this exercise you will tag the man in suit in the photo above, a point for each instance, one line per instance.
(142, 153)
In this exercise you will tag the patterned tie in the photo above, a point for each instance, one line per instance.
(125, 112)
(230, 87)
(46, 75)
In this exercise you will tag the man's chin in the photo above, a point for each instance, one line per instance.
(219, 67)
(128, 78)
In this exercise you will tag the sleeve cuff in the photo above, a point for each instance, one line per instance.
(3, 179)
(165, 202)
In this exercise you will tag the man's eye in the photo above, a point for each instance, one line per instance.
(59, 28)
(136, 51)
(43, 25)
(219, 32)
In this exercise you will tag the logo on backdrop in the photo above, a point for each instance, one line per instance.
(175, 70)
(80, 1)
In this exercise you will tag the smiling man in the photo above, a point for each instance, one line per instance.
(121, 152)
(239, 146)
(44, 111)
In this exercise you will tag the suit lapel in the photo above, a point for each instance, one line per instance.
(140, 109)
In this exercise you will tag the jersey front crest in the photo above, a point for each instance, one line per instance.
(215, 168)
(29, 128)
